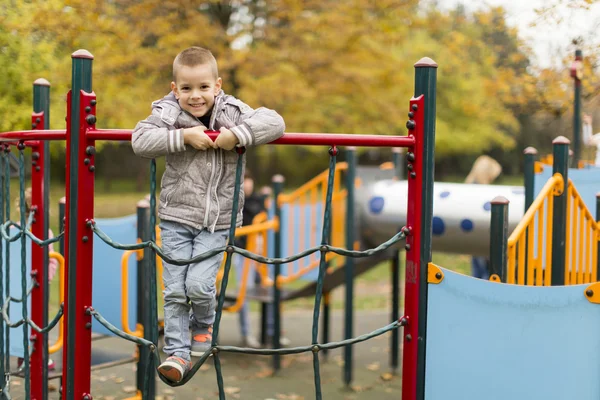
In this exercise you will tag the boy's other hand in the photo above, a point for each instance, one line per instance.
(196, 138)
(226, 139)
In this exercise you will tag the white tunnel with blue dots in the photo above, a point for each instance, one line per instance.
(461, 213)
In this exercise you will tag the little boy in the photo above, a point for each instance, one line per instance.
(196, 196)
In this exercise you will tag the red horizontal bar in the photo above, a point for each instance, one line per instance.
(315, 139)
(28, 143)
(338, 139)
(34, 135)
(345, 139)
(109, 134)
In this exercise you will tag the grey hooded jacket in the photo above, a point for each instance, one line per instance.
(197, 186)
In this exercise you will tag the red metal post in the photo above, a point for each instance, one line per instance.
(81, 342)
(37, 262)
(79, 236)
(66, 333)
(413, 244)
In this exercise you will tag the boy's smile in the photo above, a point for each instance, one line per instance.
(196, 88)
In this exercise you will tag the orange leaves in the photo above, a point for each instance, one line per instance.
(325, 65)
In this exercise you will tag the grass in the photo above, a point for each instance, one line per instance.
(121, 201)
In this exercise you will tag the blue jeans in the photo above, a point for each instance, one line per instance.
(480, 268)
(185, 284)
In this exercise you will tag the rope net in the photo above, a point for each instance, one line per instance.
(23, 231)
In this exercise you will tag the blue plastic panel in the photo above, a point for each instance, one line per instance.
(497, 342)
(16, 310)
(298, 233)
(106, 291)
(106, 295)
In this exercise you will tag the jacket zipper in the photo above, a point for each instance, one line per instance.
(217, 197)
(212, 171)
(209, 191)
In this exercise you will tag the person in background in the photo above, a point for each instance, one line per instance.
(254, 204)
(589, 138)
(485, 170)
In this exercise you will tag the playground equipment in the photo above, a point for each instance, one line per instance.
(461, 213)
(15, 335)
(556, 243)
(448, 318)
(81, 135)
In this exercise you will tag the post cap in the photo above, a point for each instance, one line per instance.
(397, 150)
(530, 150)
(561, 140)
(350, 148)
(278, 178)
(63, 200)
(82, 53)
(598, 195)
(426, 62)
(500, 200)
(41, 82)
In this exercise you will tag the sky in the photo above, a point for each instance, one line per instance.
(550, 41)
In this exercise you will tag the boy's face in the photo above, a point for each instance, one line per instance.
(196, 88)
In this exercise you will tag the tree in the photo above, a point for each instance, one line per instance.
(347, 67)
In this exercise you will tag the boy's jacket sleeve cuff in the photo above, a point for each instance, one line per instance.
(175, 141)
(243, 133)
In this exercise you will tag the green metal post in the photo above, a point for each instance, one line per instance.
(61, 223)
(151, 285)
(577, 76)
(396, 264)
(144, 297)
(41, 198)
(529, 169)
(2, 283)
(559, 219)
(597, 266)
(7, 252)
(326, 320)
(278, 181)
(425, 84)
(349, 267)
(499, 237)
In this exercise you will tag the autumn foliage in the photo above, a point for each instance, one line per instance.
(326, 66)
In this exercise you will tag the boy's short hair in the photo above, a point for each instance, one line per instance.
(193, 56)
